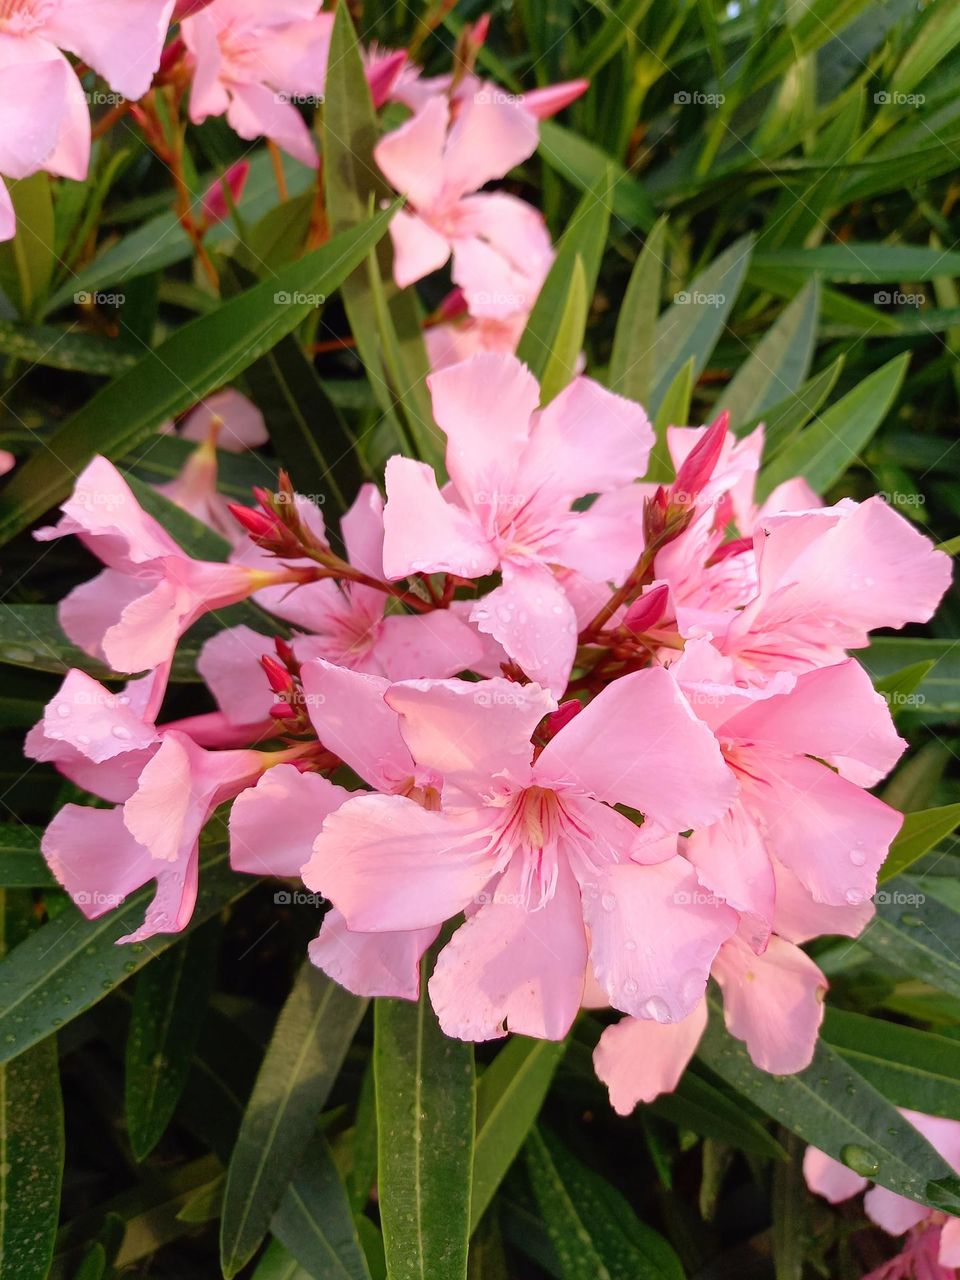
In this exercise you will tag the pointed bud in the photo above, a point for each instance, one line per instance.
(187, 8)
(215, 204)
(383, 74)
(562, 716)
(257, 523)
(280, 679)
(700, 463)
(479, 32)
(453, 306)
(284, 652)
(647, 610)
(544, 103)
(284, 711)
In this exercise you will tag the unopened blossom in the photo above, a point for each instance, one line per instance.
(932, 1248)
(500, 245)
(253, 61)
(773, 1002)
(529, 846)
(515, 472)
(133, 613)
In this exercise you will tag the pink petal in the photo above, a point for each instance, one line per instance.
(389, 865)
(274, 824)
(950, 1243)
(732, 861)
(121, 39)
(425, 534)
(829, 1178)
(799, 919)
(418, 249)
(895, 1214)
(208, 93)
(97, 723)
(411, 157)
(484, 406)
(502, 253)
(835, 714)
(546, 102)
(436, 645)
(587, 440)
(33, 100)
(530, 615)
(370, 964)
(488, 138)
(512, 969)
(676, 929)
(348, 711)
(238, 422)
(773, 1002)
(230, 664)
(638, 1059)
(362, 529)
(469, 731)
(257, 111)
(95, 858)
(639, 743)
(828, 832)
(8, 228)
(88, 612)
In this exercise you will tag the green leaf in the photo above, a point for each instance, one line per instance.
(26, 261)
(674, 411)
(426, 1117)
(864, 263)
(161, 241)
(510, 1094)
(941, 688)
(694, 321)
(899, 688)
(699, 1105)
(21, 863)
(60, 349)
(584, 238)
(306, 1051)
(779, 362)
(195, 537)
(911, 1068)
(831, 1107)
(592, 1228)
(384, 320)
(916, 932)
(31, 1161)
(824, 451)
(561, 366)
(784, 421)
(278, 1263)
(586, 165)
(619, 25)
(169, 1004)
(66, 966)
(631, 360)
(198, 358)
(920, 833)
(314, 1221)
(277, 238)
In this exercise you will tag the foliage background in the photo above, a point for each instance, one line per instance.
(761, 197)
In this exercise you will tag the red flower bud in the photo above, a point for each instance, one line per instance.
(700, 463)
(647, 610)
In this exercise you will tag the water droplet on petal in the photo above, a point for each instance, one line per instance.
(656, 1008)
(119, 731)
(63, 709)
(608, 902)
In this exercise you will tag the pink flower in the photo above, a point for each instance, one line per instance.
(44, 118)
(530, 848)
(101, 856)
(794, 813)
(215, 206)
(252, 61)
(458, 340)
(515, 472)
(773, 1002)
(133, 613)
(500, 245)
(934, 1236)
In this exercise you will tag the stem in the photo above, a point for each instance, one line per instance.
(279, 176)
(109, 119)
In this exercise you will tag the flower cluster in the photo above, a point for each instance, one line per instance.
(606, 730)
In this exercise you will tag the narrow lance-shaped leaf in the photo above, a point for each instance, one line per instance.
(306, 1051)
(314, 1221)
(631, 360)
(425, 1116)
(200, 357)
(920, 833)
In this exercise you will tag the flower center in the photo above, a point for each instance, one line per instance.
(23, 16)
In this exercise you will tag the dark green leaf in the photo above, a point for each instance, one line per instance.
(314, 1221)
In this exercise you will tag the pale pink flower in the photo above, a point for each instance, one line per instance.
(515, 472)
(802, 751)
(500, 245)
(415, 90)
(253, 61)
(530, 847)
(44, 117)
(773, 1002)
(459, 339)
(101, 856)
(934, 1236)
(133, 613)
